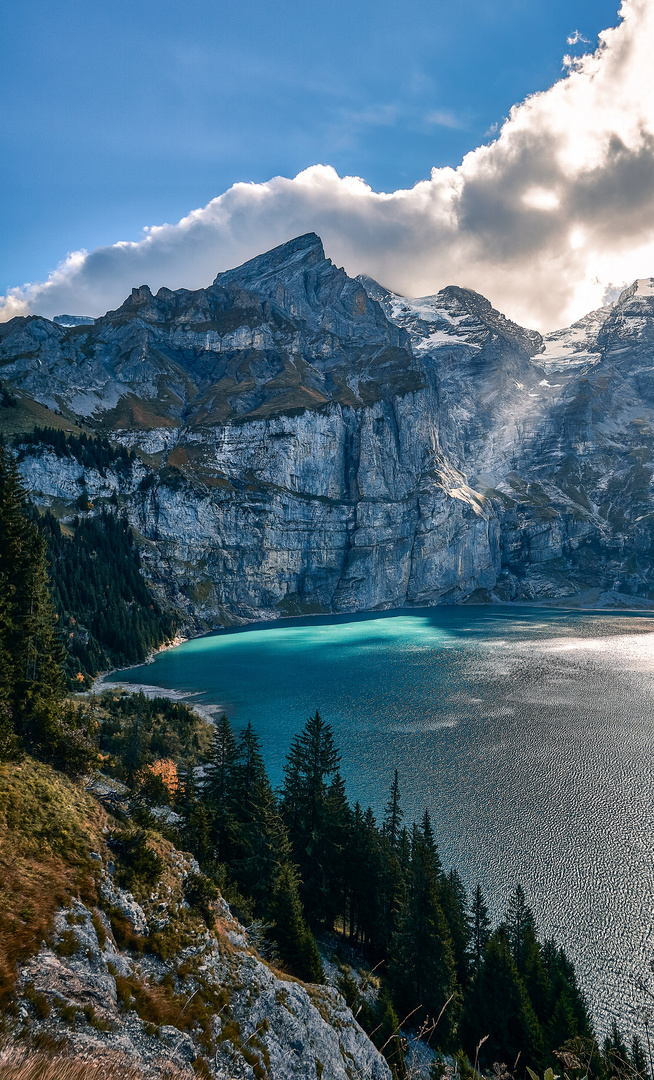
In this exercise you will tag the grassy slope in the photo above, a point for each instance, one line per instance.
(48, 826)
(18, 1063)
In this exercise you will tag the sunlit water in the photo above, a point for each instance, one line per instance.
(529, 735)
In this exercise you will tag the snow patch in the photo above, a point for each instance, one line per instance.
(439, 338)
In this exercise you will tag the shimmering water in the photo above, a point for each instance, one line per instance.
(528, 733)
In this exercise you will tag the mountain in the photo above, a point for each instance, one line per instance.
(307, 442)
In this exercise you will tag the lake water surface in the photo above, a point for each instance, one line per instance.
(527, 733)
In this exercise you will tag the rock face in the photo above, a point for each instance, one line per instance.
(312, 443)
(101, 997)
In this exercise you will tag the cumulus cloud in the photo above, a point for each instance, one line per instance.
(543, 221)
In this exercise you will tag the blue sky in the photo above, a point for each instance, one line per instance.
(119, 115)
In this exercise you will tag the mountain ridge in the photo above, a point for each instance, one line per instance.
(311, 442)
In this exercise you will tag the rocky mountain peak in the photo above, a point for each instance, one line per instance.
(629, 321)
(285, 261)
(640, 289)
(300, 280)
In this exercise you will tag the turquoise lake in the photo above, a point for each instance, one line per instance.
(528, 733)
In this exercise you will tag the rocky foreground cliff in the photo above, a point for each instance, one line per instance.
(310, 443)
(102, 973)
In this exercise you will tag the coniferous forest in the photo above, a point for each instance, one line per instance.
(304, 868)
(107, 614)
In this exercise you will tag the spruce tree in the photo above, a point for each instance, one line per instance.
(616, 1055)
(497, 1007)
(519, 921)
(393, 813)
(219, 790)
(31, 653)
(455, 908)
(638, 1059)
(311, 764)
(338, 827)
(295, 942)
(480, 929)
(422, 970)
(247, 767)
(262, 844)
(567, 1011)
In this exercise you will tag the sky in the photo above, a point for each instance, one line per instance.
(504, 146)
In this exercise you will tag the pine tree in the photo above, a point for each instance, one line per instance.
(262, 844)
(519, 921)
(422, 966)
(567, 1011)
(455, 908)
(338, 826)
(247, 767)
(638, 1059)
(393, 813)
(31, 653)
(294, 940)
(219, 791)
(135, 755)
(498, 1007)
(616, 1055)
(480, 929)
(311, 764)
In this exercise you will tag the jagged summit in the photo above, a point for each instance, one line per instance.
(302, 281)
(302, 252)
(286, 331)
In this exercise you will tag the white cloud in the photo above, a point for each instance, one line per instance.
(542, 221)
(575, 37)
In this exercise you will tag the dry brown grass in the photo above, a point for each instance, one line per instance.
(48, 825)
(20, 1063)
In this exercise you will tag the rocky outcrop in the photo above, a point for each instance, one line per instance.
(311, 443)
(202, 1000)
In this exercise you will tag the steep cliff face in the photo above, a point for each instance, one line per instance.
(140, 976)
(311, 443)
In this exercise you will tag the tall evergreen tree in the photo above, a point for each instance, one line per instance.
(638, 1059)
(31, 653)
(498, 1010)
(422, 969)
(262, 844)
(616, 1055)
(567, 1014)
(219, 789)
(295, 942)
(520, 926)
(247, 767)
(455, 908)
(480, 929)
(311, 764)
(393, 813)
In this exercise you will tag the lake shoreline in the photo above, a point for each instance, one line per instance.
(591, 600)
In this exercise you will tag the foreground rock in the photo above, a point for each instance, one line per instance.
(178, 994)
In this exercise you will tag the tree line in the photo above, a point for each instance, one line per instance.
(382, 889)
(93, 452)
(107, 614)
